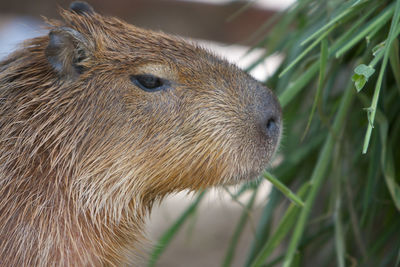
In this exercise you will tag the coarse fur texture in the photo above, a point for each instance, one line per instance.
(84, 153)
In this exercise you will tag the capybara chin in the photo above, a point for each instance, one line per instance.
(99, 119)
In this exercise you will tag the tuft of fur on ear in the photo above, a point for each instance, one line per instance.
(66, 51)
(81, 8)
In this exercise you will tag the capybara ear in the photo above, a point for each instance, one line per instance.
(81, 8)
(67, 51)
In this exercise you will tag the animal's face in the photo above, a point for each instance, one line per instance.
(187, 119)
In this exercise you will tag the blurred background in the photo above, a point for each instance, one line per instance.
(227, 28)
(199, 19)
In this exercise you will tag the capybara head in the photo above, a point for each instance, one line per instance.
(100, 118)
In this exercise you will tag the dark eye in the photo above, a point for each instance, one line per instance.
(148, 82)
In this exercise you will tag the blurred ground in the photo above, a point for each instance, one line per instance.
(205, 238)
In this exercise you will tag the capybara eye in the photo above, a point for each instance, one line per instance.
(148, 82)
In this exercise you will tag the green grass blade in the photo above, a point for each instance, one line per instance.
(395, 62)
(377, 58)
(318, 176)
(306, 51)
(349, 34)
(281, 231)
(390, 177)
(377, 23)
(331, 23)
(238, 231)
(171, 232)
(303, 244)
(337, 211)
(281, 187)
(291, 162)
(240, 11)
(339, 238)
(372, 109)
(322, 69)
(372, 179)
(382, 239)
(262, 230)
(286, 18)
(296, 86)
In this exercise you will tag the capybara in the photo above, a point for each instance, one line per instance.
(100, 119)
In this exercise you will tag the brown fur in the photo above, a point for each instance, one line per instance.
(83, 156)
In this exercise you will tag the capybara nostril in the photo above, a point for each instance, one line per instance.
(268, 114)
(272, 126)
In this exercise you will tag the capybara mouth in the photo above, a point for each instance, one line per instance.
(255, 159)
